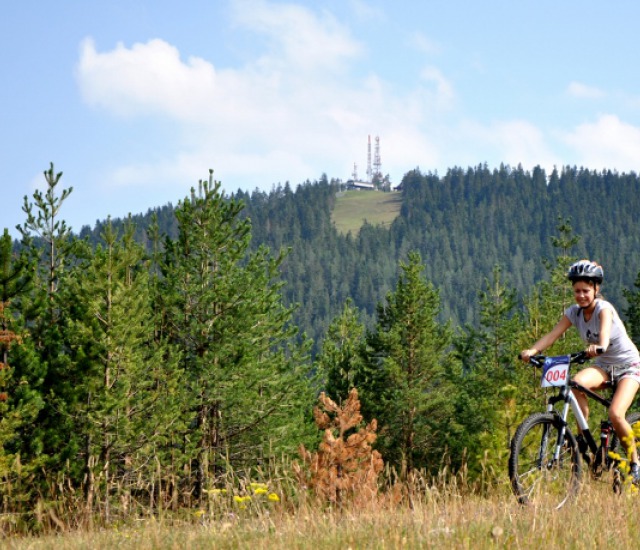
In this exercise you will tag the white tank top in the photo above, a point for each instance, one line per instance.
(621, 350)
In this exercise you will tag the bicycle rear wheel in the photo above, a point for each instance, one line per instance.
(536, 476)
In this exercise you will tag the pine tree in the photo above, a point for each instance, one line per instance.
(341, 359)
(123, 408)
(346, 467)
(549, 299)
(52, 232)
(412, 349)
(15, 278)
(485, 404)
(244, 374)
(633, 311)
(43, 366)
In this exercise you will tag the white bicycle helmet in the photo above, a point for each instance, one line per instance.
(586, 270)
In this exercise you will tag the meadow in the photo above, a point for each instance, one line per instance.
(353, 208)
(436, 515)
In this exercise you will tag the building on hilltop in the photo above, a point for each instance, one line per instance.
(375, 179)
(355, 183)
(365, 185)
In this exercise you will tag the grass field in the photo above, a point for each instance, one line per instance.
(434, 517)
(354, 207)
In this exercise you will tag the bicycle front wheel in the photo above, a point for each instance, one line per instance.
(537, 476)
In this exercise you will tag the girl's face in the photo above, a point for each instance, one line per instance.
(584, 293)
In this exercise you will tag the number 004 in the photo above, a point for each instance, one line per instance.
(555, 375)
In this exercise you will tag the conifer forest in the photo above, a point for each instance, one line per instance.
(146, 358)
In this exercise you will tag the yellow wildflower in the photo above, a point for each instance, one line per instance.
(273, 497)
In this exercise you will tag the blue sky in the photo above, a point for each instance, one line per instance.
(134, 100)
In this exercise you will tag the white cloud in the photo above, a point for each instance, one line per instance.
(296, 110)
(300, 39)
(607, 143)
(521, 142)
(147, 78)
(579, 90)
(290, 114)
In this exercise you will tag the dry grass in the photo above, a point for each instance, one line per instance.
(354, 207)
(435, 517)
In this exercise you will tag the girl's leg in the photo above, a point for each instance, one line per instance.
(622, 399)
(592, 378)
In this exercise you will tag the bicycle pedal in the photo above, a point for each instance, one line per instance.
(634, 474)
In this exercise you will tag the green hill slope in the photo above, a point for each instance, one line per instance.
(353, 208)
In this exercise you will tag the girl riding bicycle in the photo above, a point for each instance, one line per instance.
(600, 326)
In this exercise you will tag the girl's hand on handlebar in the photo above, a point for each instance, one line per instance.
(594, 349)
(527, 354)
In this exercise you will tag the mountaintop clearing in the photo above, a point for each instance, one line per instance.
(353, 208)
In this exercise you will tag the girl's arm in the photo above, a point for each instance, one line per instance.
(547, 340)
(606, 321)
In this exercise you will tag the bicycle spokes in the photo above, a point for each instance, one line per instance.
(537, 474)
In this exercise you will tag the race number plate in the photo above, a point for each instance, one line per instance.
(555, 371)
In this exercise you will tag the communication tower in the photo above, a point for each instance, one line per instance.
(374, 172)
(377, 163)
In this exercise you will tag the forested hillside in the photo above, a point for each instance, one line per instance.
(145, 363)
(471, 220)
(463, 224)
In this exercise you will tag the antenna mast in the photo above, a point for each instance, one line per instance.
(369, 173)
(376, 161)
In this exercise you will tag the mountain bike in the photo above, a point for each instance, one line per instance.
(546, 461)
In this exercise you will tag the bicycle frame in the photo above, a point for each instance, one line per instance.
(570, 402)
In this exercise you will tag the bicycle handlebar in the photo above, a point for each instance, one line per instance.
(579, 357)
